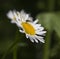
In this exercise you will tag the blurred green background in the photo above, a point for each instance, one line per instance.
(14, 45)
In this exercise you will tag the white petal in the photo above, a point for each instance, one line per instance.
(22, 12)
(40, 29)
(41, 33)
(31, 39)
(26, 16)
(30, 19)
(36, 26)
(40, 39)
(26, 36)
(21, 31)
(18, 24)
(12, 21)
(15, 14)
(35, 21)
(35, 39)
(39, 36)
(10, 15)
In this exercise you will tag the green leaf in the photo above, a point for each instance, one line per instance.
(57, 24)
(51, 21)
(46, 20)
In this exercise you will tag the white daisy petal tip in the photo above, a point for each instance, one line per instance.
(36, 21)
(21, 31)
(22, 11)
(25, 16)
(43, 41)
(27, 36)
(31, 39)
(45, 31)
(10, 14)
(36, 40)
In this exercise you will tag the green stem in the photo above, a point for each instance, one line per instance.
(15, 52)
(15, 47)
(47, 46)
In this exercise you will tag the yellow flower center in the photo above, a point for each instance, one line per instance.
(29, 29)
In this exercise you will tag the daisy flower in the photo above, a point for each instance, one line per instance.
(32, 30)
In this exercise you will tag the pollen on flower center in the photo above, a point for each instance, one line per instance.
(29, 29)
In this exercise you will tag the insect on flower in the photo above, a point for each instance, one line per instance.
(32, 30)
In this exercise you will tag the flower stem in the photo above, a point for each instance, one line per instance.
(47, 46)
(15, 52)
(16, 46)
